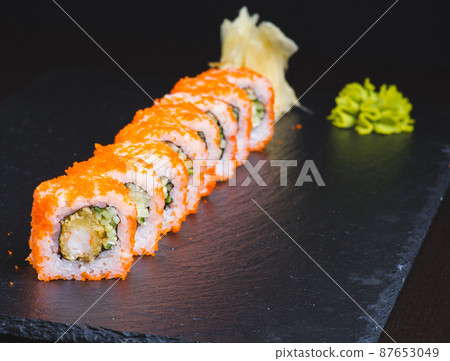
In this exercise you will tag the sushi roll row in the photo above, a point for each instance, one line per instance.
(89, 223)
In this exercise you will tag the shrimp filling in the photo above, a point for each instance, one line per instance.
(87, 232)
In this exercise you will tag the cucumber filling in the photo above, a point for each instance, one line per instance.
(87, 232)
(187, 161)
(167, 187)
(223, 142)
(202, 137)
(142, 200)
(258, 110)
(235, 111)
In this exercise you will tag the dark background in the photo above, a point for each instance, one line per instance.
(408, 47)
(175, 38)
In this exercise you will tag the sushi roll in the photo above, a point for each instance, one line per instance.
(219, 112)
(171, 181)
(145, 189)
(260, 91)
(194, 118)
(207, 129)
(83, 228)
(234, 96)
(155, 124)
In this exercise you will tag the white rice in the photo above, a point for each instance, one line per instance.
(109, 263)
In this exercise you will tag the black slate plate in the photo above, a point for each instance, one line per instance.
(230, 274)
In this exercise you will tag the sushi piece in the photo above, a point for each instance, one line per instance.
(236, 98)
(260, 91)
(144, 186)
(194, 118)
(221, 113)
(155, 124)
(83, 228)
(207, 129)
(171, 180)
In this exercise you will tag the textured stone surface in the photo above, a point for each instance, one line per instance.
(230, 274)
(58, 332)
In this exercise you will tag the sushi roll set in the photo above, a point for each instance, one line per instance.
(90, 223)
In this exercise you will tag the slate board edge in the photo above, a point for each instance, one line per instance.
(380, 311)
(46, 331)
